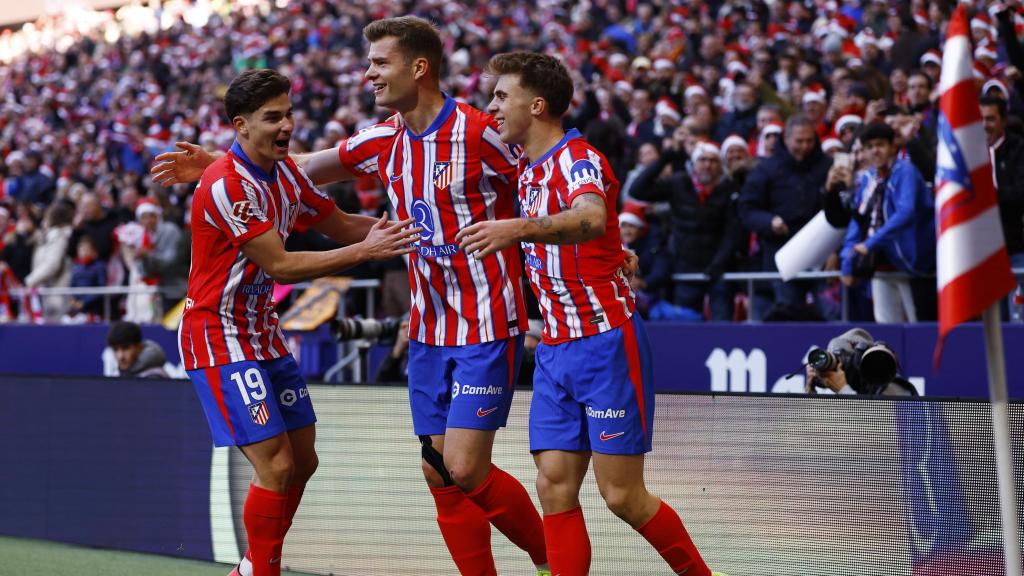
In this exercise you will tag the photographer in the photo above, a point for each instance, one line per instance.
(854, 363)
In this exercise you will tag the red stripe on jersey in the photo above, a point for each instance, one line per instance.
(443, 151)
(214, 380)
(636, 374)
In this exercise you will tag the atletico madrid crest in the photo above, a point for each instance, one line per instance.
(533, 196)
(442, 174)
(259, 413)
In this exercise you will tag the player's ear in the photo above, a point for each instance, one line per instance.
(240, 125)
(420, 68)
(538, 107)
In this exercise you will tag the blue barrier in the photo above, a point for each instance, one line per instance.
(688, 357)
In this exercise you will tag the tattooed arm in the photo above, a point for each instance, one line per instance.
(585, 220)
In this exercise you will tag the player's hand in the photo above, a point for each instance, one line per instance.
(486, 238)
(630, 263)
(388, 239)
(861, 248)
(834, 380)
(183, 166)
(779, 226)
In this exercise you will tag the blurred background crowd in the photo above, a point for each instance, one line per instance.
(722, 120)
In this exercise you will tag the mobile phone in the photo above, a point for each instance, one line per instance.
(844, 159)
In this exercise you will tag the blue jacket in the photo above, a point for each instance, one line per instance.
(907, 237)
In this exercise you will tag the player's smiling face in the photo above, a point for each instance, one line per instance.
(391, 74)
(268, 130)
(511, 108)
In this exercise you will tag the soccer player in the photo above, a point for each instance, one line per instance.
(249, 385)
(444, 165)
(593, 394)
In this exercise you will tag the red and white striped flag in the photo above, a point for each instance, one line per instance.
(973, 265)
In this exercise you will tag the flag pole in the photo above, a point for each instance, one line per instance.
(1001, 436)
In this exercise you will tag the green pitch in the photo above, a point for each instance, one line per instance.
(20, 557)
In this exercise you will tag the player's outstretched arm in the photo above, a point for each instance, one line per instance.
(182, 166)
(384, 240)
(323, 167)
(345, 228)
(585, 220)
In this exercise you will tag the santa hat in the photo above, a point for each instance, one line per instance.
(707, 147)
(847, 120)
(732, 140)
(982, 22)
(633, 213)
(772, 128)
(663, 64)
(737, 67)
(986, 50)
(932, 56)
(831, 143)
(921, 18)
(998, 85)
(694, 89)
(147, 205)
(815, 93)
(666, 107)
(981, 71)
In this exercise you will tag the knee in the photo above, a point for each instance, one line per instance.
(622, 502)
(468, 475)
(304, 470)
(432, 476)
(277, 473)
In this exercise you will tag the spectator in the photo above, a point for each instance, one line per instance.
(737, 160)
(160, 256)
(51, 268)
(1008, 159)
(704, 230)
(88, 271)
(781, 195)
(135, 357)
(20, 243)
(27, 182)
(654, 274)
(395, 368)
(94, 221)
(850, 374)
(892, 229)
(742, 120)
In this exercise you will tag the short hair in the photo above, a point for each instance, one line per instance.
(922, 74)
(541, 74)
(877, 131)
(800, 119)
(252, 89)
(416, 38)
(999, 103)
(124, 334)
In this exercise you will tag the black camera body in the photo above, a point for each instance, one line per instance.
(368, 329)
(869, 367)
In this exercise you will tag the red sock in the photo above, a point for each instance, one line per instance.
(263, 515)
(294, 497)
(568, 543)
(508, 506)
(666, 533)
(465, 530)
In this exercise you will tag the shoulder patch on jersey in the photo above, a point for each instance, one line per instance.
(581, 173)
(242, 211)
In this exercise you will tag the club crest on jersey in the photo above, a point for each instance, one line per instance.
(581, 173)
(532, 204)
(443, 174)
(259, 413)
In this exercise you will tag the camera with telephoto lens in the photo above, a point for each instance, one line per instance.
(869, 367)
(369, 329)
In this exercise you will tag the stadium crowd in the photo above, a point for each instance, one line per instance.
(721, 119)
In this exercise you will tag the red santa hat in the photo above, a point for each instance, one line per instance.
(981, 71)
(847, 120)
(663, 64)
(666, 107)
(694, 89)
(831, 143)
(998, 85)
(932, 56)
(733, 140)
(147, 205)
(707, 148)
(986, 50)
(815, 93)
(921, 18)
(982, 22)
(737, 67)
(633, 214)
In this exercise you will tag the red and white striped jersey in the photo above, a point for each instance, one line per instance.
(458, 172)
(581, 288)
(229, 312)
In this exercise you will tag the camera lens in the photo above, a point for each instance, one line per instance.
(878, 366)
(822, 360)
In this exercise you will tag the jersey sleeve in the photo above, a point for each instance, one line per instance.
(314, 204)
(237, 209)
(582, 171)
(358, 153)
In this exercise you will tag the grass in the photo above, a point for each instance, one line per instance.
(21, 557)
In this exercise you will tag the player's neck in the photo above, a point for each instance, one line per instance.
(263, 162)
(542, 137)
(428, 106)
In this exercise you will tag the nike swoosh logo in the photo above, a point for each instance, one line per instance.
(481, 412)
(605, 437)
(396, 178)
(275, 560)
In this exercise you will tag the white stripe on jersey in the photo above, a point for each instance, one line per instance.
(620, 297)
(595, 304)
(206, 338)
(419, 303)
(219, 194)
(492, 138)
(227, 304)
(257, 200)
